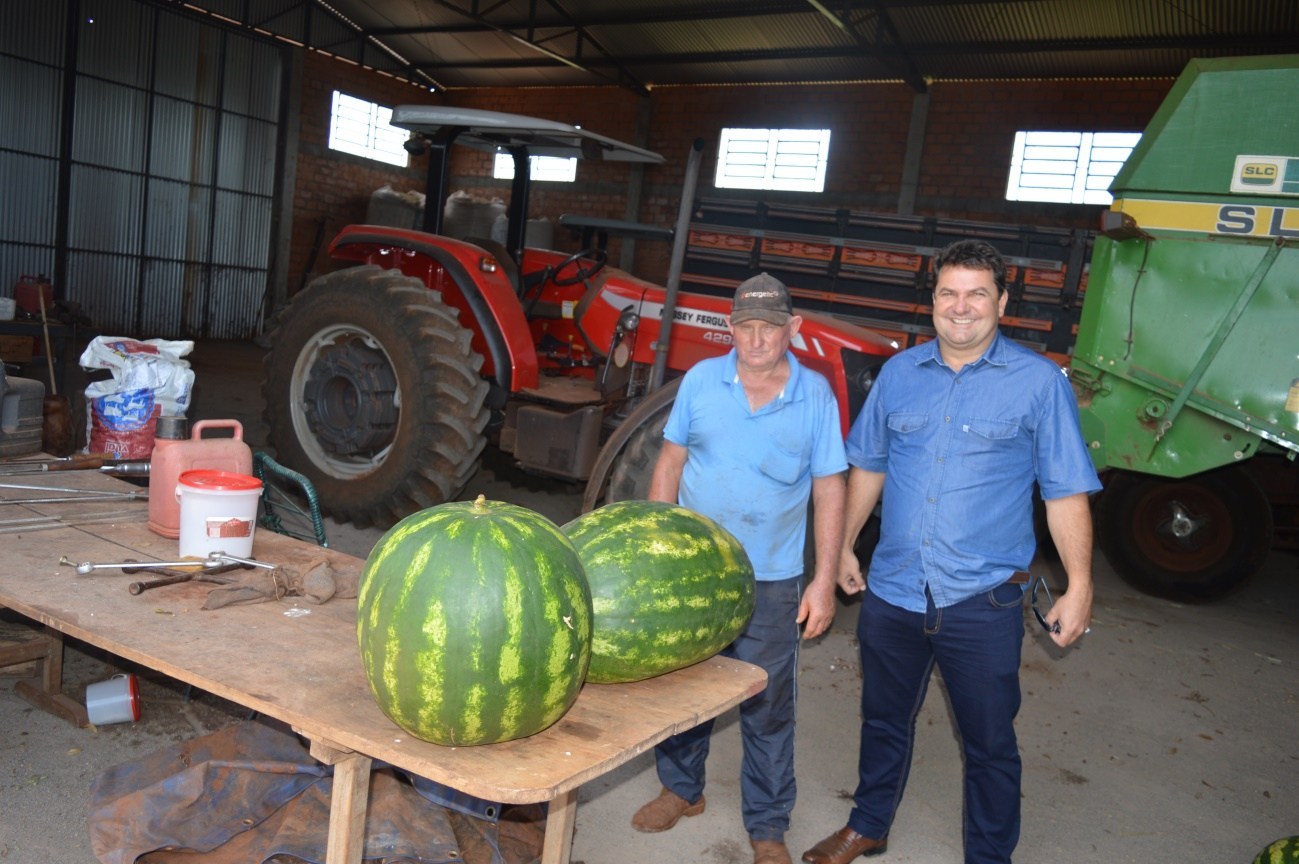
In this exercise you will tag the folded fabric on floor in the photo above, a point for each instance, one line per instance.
(252, 793)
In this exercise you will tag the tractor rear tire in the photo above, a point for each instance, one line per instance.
(632, 473)
(373, 392)
(1192, 540)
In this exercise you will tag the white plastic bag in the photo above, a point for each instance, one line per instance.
(149, 379)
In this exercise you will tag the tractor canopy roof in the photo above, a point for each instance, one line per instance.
(441, 126)
(495, 131)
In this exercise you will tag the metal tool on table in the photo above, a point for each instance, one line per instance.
(214, 560)
(173, 577)
(105, 463)
(70, 494)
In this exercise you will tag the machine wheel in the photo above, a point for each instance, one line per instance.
(635, 467)
(372, 391)
(626, 462)
(1193, 539)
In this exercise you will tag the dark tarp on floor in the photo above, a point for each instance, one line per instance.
(252, 791)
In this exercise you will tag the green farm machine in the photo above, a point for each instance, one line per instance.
(1186, 363)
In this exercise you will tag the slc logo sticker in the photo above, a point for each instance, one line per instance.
(1258, 173)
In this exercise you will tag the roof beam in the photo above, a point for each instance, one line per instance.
(1265, 43)
(572, 59)
(700, 12)
(883, 29)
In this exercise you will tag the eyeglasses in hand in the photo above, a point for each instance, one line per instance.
(1037, 613)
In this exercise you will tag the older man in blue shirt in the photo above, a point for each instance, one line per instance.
(954, 435)
(751, 436)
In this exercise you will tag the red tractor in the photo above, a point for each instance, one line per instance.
(388, 379)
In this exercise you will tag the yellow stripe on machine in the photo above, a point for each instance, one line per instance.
(1212, 217)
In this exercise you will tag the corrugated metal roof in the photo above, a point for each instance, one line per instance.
(644, 43)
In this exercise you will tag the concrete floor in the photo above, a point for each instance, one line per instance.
(1171, 733)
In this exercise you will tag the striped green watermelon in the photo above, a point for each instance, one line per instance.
(474, 622)
(669, 587)
(1283, 851)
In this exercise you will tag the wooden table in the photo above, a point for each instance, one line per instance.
(305, 669)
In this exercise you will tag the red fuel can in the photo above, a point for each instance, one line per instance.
(29, 291)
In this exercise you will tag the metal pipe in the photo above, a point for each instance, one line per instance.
(103, 496)
(44, 523)
(30, 488)
(679, 240)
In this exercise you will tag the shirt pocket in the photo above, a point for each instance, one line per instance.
(784, 465)
(984, 443)
(909, 437)
(906, 423)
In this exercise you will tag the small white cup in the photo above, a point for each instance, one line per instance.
(116, 700)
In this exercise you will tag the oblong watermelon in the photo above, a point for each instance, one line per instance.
(474, 623)
(669, 587)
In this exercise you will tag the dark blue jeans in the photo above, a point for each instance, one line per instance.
(771, 641)
(976, 645)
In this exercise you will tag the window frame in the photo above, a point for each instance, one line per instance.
(1069, 167)
(372, 138)
(541, 169)
(777, 160)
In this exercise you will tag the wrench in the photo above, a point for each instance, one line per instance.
(214, 559)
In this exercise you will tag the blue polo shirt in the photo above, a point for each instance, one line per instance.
(751, 471)
(961, 452)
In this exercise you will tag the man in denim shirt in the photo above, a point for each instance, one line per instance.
(751, 436)
(954, 435)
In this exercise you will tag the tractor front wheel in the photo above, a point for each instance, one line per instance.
(372, 391)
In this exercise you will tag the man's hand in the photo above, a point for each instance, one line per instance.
(816, 612)
(1073, 612)
(850, 577)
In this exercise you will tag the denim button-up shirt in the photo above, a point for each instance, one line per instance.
(961, 452)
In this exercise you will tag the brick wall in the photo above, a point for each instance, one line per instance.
(333, 189)
(966, 154)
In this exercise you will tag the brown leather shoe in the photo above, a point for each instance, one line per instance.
(842, 846)
(770, 852)
(664, 812)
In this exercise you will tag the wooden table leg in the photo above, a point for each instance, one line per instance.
(45, 692)
(561, 816)
(349, 802)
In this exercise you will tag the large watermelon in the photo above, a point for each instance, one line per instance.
(1283, 851)
(669, 587)
(474, 621)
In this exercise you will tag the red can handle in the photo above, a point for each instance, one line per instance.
(218, 424)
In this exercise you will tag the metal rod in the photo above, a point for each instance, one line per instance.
(680, 238)
(31, 488)
(103, 496)
(44, 523)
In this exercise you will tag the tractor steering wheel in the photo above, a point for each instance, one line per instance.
(599, 257)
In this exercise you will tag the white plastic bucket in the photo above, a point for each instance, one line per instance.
(218, 513)
(116, 700)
